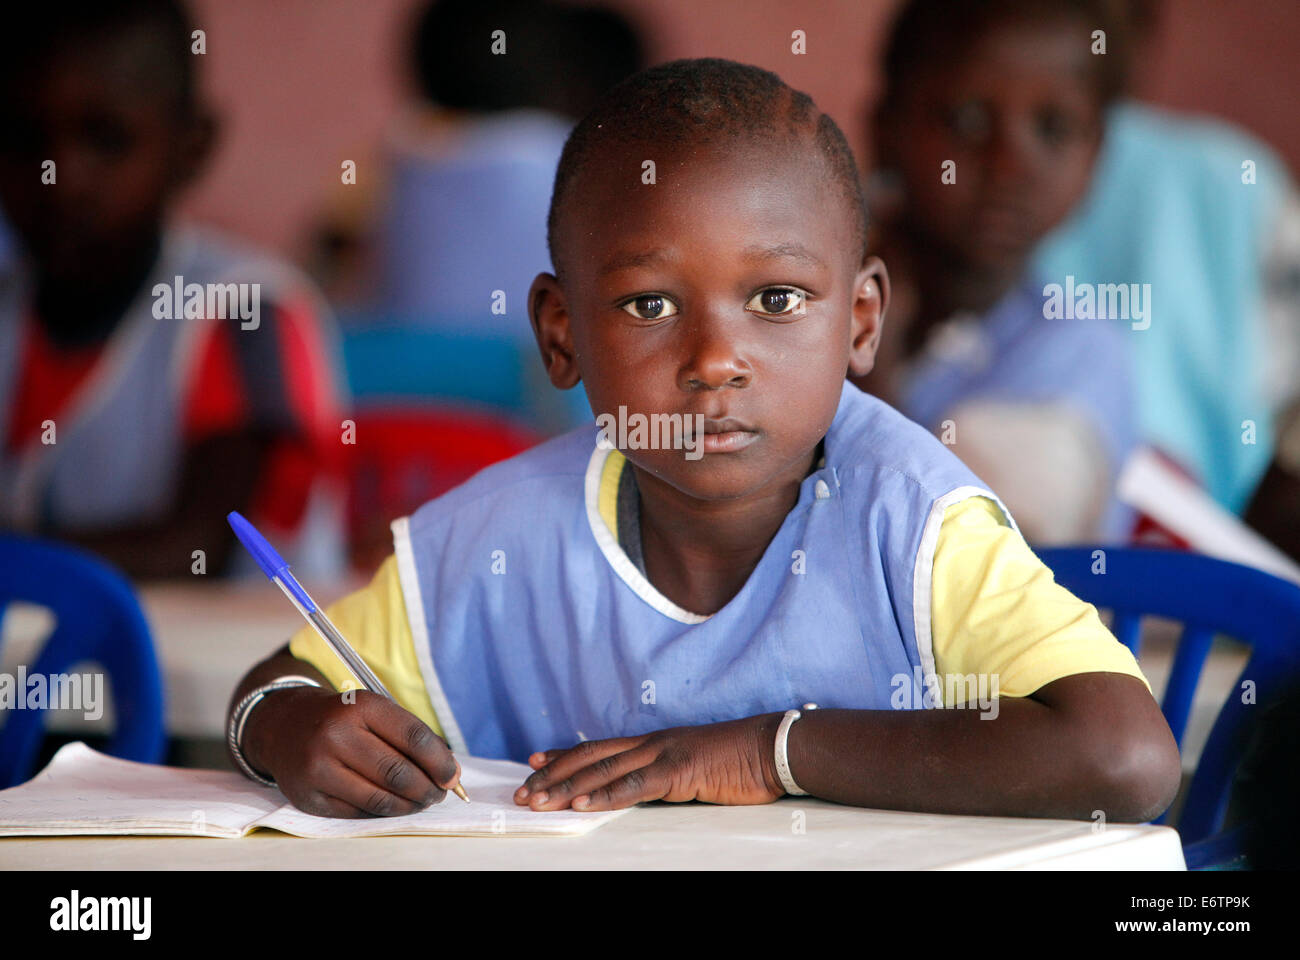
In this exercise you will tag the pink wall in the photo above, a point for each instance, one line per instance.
(306, 84)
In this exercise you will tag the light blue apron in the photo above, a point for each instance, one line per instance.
(566, 640)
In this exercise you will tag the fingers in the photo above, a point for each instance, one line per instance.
(561, 794)
(348, 786)
(557, 764)
(636, 786)
(384, 767)
(323, 805)
(412, 738)
(569, 773)
(543, 757)
(333, 789)
(365, 772)
(373, 758)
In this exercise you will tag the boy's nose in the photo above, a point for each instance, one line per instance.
(714, 362)
(79, 181)
(1009, 158)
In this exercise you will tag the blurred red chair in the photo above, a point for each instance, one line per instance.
(407, 454)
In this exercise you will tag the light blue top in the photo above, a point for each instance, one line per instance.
(1015, 354)
(1168, 207)
(534, 630)
(470, 220)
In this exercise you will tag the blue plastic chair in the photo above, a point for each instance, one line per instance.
(1209, 597)
(97, 619)
(391, 358)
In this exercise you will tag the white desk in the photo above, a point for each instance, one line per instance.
(658, 837)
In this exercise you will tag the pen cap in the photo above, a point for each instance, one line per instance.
(267, 557)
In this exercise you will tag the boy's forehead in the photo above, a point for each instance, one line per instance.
(1044, 43)
(1047, 46)
(124, 65)
(631, 188)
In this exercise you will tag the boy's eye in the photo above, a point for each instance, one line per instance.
(650, 307)
(1054, 127)
(108, 136)
(777, 301)
(970, 121)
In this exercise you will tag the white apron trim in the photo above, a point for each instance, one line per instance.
(623, 566)
(923, 581)
(37, 459)
(410, 581)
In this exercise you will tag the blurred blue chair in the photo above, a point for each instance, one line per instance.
(1209, 597)
(97, 619)
(389, 358)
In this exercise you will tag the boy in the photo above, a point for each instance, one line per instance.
(990, 121)
(632, 621)
(132, 419)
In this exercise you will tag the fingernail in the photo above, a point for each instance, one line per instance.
(521, 793)
(541, 796)
(582, 802)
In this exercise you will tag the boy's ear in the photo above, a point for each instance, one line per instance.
(549, 315)
(870, 300)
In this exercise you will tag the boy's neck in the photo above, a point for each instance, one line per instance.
(700, 553)
(85, 313)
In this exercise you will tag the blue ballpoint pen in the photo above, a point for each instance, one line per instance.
(275, 567)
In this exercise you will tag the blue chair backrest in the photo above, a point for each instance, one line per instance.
(1209, 597)
(97, 619)
(395, 357)
(437, 363)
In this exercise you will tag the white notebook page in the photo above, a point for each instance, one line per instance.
(83, 791)
(492, 811)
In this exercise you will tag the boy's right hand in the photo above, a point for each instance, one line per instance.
(334, 758)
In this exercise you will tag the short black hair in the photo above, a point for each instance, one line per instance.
(35, 32)
(926, 32)
(699, 101)
(558, 57)
(453, 59)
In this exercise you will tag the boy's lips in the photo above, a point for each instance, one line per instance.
(727, 435)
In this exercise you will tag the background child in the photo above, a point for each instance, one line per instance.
(988, 127)
(632, 621)
(1209, 216)
(126, 424)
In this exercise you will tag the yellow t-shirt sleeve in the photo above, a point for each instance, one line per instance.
(373, 619)
(996, 610)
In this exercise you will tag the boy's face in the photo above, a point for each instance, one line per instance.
(1020, 119)
(120, 151)
(730, 288)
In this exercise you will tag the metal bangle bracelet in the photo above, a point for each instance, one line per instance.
(782, 760)
(239, 717)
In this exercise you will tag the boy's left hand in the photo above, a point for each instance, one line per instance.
(732, 762)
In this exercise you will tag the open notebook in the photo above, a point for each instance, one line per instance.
(84, 792)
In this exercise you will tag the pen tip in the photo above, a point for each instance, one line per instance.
(460, 792)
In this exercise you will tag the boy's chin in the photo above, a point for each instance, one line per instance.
(712, 477)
